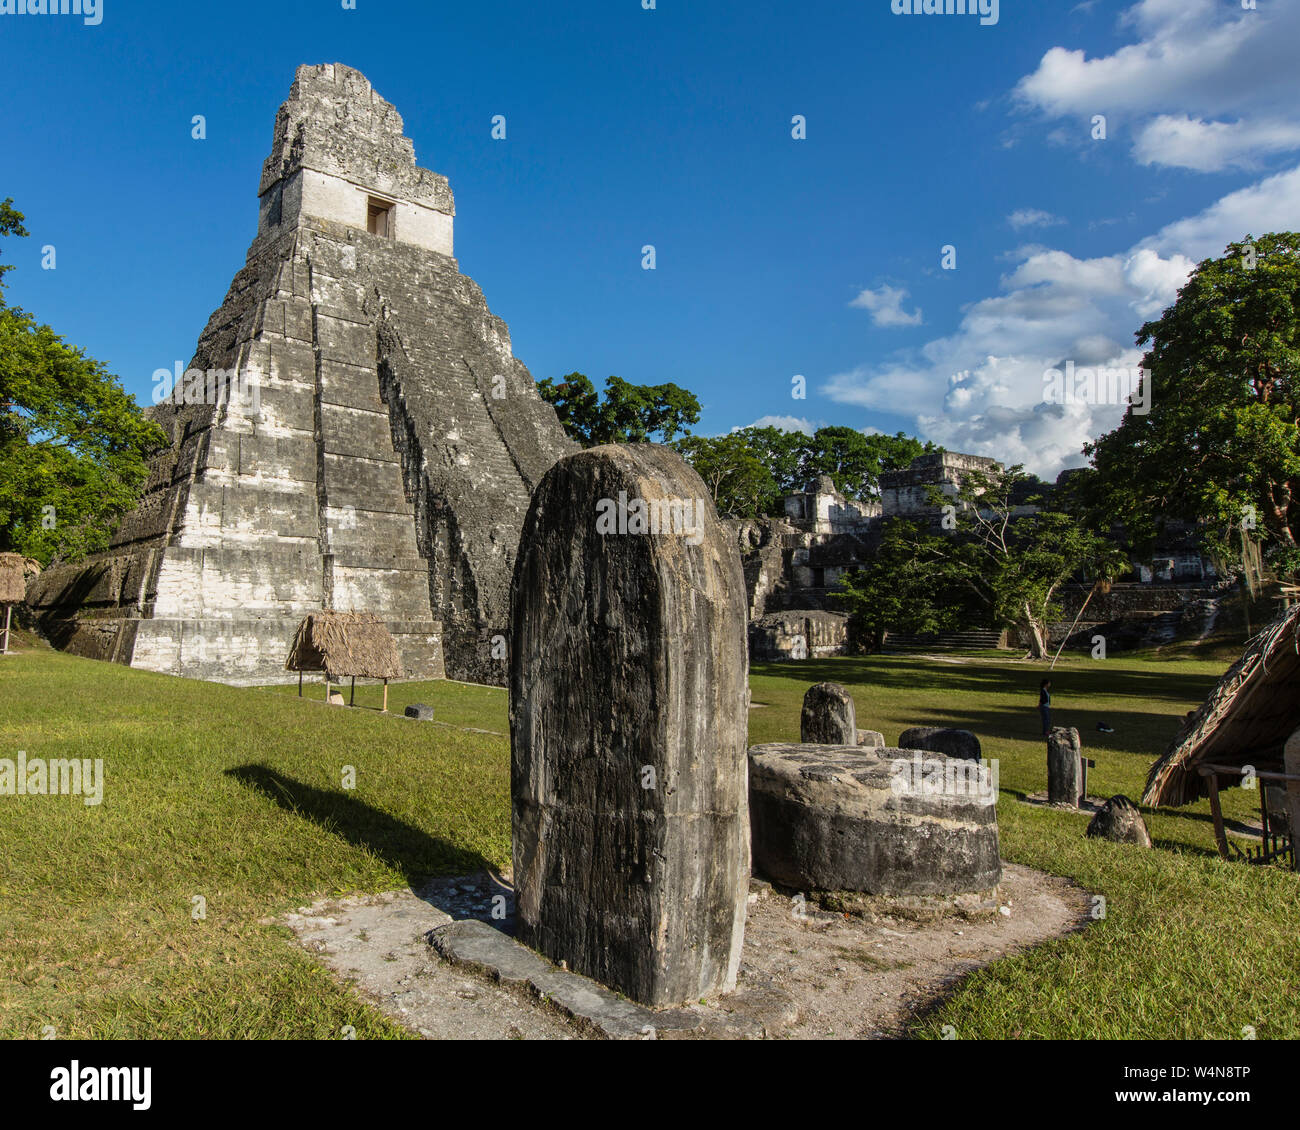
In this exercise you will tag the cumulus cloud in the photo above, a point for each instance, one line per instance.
(885, 305)
(982, 389)
(785, 423)
(1191, 143)
(1032, 218)
(1269, 205)
(1206, 85)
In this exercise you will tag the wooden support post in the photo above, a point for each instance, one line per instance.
(1263, 815)
(300, 682)
(385, 696)
(327, 688)
(352, 698)
(4, 647)
(1291, 762)
(1216, 809)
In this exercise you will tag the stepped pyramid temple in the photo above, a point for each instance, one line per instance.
(353, 433)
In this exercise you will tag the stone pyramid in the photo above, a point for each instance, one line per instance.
(354, 432)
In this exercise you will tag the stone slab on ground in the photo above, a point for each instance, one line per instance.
(377, 944)
(856, 978)
(806, 973)
(484, 948)
(942, 739)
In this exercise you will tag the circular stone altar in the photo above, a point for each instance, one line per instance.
(882, 821)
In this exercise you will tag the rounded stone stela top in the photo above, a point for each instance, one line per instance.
(868, 773)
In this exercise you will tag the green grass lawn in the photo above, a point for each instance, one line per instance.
(235, 795)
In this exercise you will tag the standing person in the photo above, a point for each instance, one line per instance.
(1045, 705)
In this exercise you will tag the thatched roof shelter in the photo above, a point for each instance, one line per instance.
(344, 644)
(13, 578)
(1246, 720)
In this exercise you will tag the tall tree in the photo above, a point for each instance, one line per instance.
(628, 413)
(740, 484)
(1220, 445)
(898, 589)
(1000, 557)
(73, 444)
(855, 461)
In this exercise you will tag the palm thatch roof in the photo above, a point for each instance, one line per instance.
(345, 644)
(13, 579)
(1246, 720)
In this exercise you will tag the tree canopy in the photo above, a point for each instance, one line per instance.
(792, 460)
(1220, 444)
(73, 444)
(628, 413)
(999, 557)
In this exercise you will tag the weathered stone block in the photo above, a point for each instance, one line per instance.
(419, 711)
(350, 343)
(351, 431)
(364, 484)
(830, 818)
(628, 704)
(1064, 766)
(1120, 821)
(828, 716)
(871, 739)
(287, 408)
(941, 739)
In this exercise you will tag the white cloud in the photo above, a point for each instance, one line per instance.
(1206, 85)
(1032, 218)
(886, 307)
(981, 388)
(785, 423)
(1191, 143)
(1272, 204)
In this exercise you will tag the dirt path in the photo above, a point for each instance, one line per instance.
(819, 975)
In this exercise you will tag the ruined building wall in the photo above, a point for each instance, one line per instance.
(386, 462)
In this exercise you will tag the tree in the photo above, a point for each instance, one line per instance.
(895, 591)
(1220, 444)
(576, 403)
(855, 461)
(628, 414)
(1003, 560)
(782, 453)
(73, 445)
(740, 484)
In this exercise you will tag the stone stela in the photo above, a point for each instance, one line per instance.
(628, 703)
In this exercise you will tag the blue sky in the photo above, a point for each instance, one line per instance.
(672, 127)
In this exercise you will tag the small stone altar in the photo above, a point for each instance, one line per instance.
(883, 821)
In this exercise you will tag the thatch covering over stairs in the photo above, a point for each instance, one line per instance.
(1246, 720)
(343, 645)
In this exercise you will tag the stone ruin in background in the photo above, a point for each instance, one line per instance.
(385, 460)
(794, 564)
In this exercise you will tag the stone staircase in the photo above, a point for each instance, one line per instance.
(971, 639)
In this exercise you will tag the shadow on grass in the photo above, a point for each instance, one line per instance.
(923, 674)
(1134, 732)
(1182, 847)
(418, 855)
